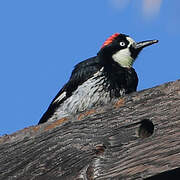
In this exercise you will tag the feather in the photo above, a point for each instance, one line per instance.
(82, 71)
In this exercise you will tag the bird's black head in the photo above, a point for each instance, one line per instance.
(123, 49)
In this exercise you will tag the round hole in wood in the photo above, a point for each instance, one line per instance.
(146, 128)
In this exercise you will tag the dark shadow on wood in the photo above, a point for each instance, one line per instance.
(168, 175)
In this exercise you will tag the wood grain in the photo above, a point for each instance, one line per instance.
(104, 145)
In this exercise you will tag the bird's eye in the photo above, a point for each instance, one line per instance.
(122, 43)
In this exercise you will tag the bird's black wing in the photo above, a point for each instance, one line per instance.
(82, 72)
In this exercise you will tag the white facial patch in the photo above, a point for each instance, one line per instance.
(131, 41)
(123, 56)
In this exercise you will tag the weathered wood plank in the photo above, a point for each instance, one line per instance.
(103, 145)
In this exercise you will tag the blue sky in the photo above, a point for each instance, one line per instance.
(41, 41)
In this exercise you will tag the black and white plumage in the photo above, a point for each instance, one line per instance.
(100, 79)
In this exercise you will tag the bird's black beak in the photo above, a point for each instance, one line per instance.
(137, 47)
(141, 45)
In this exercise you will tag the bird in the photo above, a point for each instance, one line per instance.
(99, 80)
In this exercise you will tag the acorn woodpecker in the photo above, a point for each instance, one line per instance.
(100, 79)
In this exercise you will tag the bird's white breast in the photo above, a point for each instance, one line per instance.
(89, 94)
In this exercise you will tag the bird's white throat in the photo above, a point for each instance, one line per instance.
(123, 57)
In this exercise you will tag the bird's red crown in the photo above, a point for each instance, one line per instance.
(110, 40)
